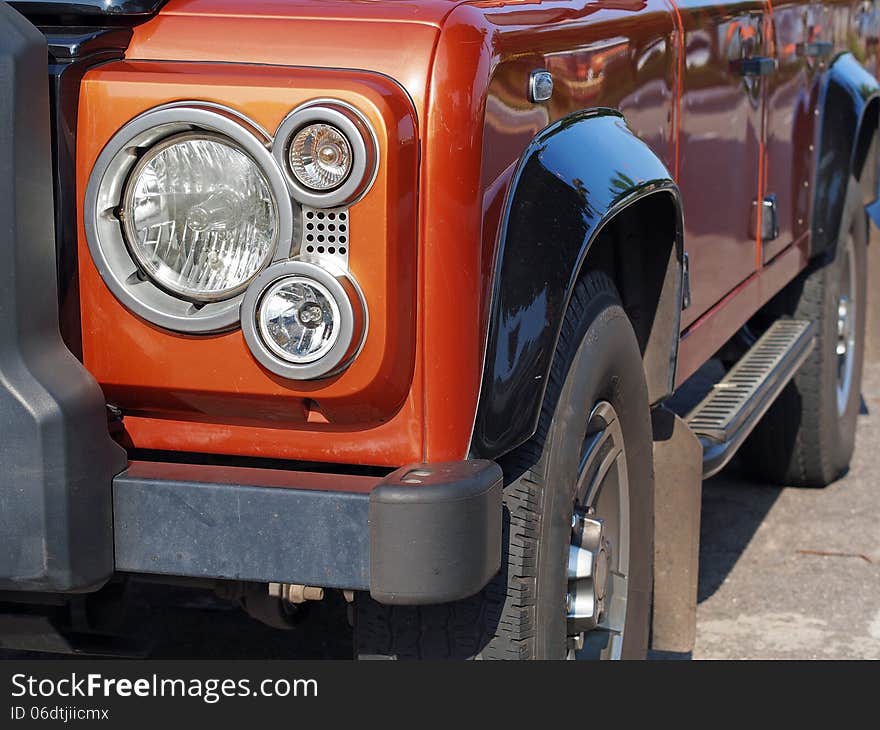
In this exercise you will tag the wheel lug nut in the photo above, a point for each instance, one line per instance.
(582, 604)
(580, 562)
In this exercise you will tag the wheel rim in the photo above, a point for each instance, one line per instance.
(846, 327)
(598, 560)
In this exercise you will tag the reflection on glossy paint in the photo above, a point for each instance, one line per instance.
(556, 209)
(720, 146)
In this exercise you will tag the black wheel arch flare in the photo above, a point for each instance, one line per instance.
(579, 177)
(848, 108)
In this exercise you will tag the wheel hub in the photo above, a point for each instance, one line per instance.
(598, 552)
(588, 557)
(600, 581)
(846, 327)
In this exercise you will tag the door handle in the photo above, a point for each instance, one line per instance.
(769, 230)
(756, 66)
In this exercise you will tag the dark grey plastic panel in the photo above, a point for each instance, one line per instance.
(243, 524)
(57, 460)
(435, 532)
(427, 533)
(130, 10)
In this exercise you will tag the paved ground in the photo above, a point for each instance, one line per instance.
(795, 573)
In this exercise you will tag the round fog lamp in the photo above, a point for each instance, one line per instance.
(298, 319)
(303, 321)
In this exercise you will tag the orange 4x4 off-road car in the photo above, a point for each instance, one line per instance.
(401, 299)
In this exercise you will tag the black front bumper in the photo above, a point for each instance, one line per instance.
(427, 533)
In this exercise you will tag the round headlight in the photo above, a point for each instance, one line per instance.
(184, 206)
(298, 319)
(320, 156)
(199, 216)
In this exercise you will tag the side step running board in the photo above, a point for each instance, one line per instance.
(736, 403)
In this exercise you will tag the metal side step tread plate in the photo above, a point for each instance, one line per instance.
(736, 403)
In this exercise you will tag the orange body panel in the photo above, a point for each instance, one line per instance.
(211, 387)
(474, 140)
(452, 58)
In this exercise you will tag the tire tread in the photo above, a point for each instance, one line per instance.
(498, 622)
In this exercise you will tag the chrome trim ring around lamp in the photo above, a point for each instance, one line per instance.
(361, 138)
(104, 229)
(352, 325)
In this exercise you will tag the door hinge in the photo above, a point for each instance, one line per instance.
(815, 49)
(685, 283)
(756, 66)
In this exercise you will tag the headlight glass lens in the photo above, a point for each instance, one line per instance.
(320, 156)
(298, 319)
(200, 217)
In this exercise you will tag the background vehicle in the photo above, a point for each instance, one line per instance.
(403, 299)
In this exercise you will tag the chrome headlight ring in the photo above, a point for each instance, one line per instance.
(361, 138)
(348, 305)
(105, 231)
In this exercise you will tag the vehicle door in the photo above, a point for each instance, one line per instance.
(723, 73)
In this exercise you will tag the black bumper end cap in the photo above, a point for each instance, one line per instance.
(435, 532)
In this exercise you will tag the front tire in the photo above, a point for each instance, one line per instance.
(595, 422)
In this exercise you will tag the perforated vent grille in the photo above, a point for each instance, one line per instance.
(326, 234)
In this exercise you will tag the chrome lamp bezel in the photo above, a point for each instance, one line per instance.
(353, 317)
(361, 138)
(105, 230)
